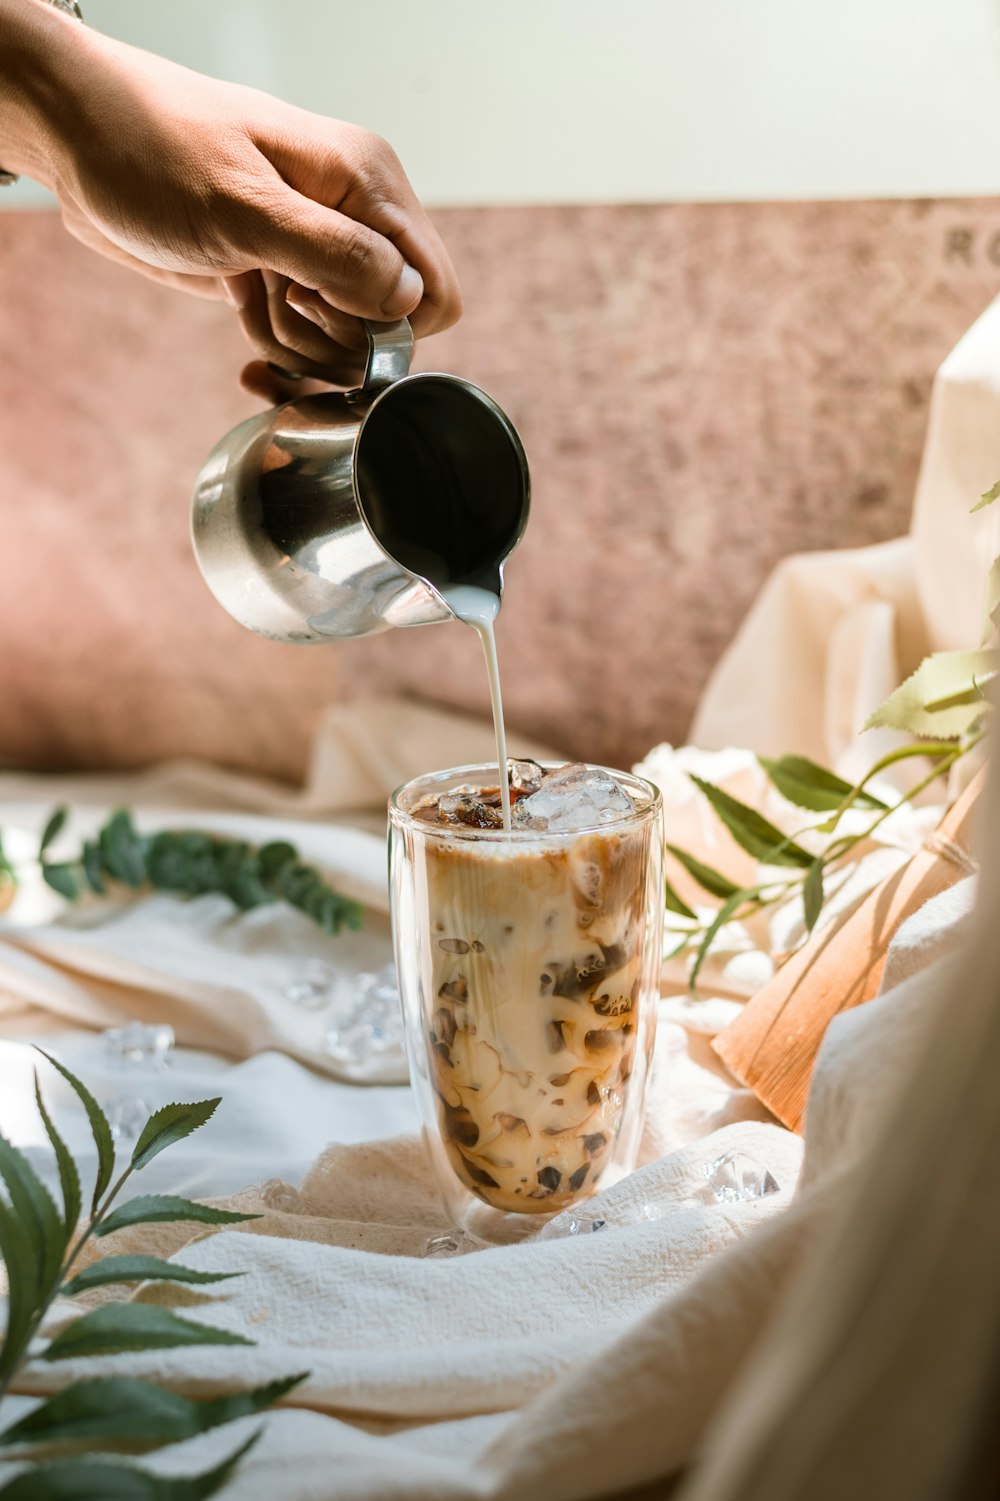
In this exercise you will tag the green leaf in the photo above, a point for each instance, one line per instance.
(808, 785)
(123, 850)
(150, 1209)
(36, 1209)
(987, 498)
(751, 829)
(62, 878)
(304, 888)
(8, 875)
(116, 1269)
(55, 825)
(675, 903)
(19, 1257)
(812, 894)
(101, 1480)
(275, 856)
(943, 699)
(168, 1125)
(724, 914)
(92, 869)
(136, 1414)
(133, 1326)
(712, 881)
(99, 1129)
(69, 1178)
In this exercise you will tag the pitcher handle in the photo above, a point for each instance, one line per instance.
(390, 347)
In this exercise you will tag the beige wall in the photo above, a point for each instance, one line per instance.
(585, 101)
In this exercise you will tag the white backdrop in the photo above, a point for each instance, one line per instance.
(576, 101)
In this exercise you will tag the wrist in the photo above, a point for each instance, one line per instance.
(40, 47)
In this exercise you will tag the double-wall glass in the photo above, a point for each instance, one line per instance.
(528, 966)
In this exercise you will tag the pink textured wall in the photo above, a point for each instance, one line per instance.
(700, 390)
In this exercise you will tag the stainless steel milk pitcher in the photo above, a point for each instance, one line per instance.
(345, 513)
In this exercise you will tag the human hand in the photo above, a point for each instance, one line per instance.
(307, 224)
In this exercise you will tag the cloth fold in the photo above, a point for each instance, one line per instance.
(573, 1349)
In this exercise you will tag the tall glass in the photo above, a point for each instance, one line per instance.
(528, 967)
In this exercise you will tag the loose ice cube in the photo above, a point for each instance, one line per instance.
(574, 797)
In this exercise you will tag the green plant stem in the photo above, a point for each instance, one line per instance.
(848, 841)
(95, 1220)
(67, 1267)
(938, 748)
(759, 898)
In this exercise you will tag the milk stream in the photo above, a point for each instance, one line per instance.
(479, 608)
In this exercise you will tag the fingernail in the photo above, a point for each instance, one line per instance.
(237, 290)
(271, 280)
(407, 293)
(305, 309)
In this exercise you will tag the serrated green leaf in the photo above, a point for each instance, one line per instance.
(69, 1178)
(987, 498)
(751, 829)
(18, 1256)
(812, 894)
(710, 880)
(943, 699)
(112, 1270)
(150, 1209)
(135, 1414)
(133, 1326)
(36, 1209)
(169, 1125)
(675, 903)
(810, 786)
(55, 826)
(99, 1128)
(123, 850)
(101, 1480)
(62, 878)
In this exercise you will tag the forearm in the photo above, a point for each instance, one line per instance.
(40, 69)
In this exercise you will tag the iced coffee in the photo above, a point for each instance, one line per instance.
(528, 963)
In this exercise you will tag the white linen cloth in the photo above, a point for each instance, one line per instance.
(557, 1368)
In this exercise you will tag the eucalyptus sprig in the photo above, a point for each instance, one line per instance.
(40, 1244)
(943, 705)
(189, 862)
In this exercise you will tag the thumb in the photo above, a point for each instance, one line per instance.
(353, 267)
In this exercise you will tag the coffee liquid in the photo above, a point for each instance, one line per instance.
(479, 608)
